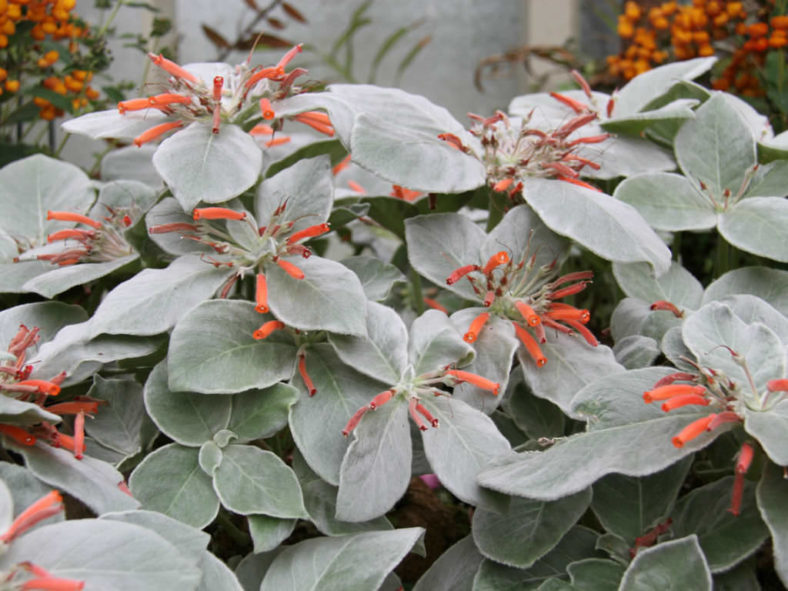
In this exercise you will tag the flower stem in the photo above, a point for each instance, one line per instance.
(418, 298)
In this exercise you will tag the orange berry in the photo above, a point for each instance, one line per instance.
(14, 12)
(625, 30)
(713, 8)
(92, 93)
(12, 85)
(661, 23)
(734, 9)
(72, 84)
(756, 30)
(47, 113)
(720, 20)
(700, 37)
(80, 75)
(37, 33)
(669, 8)
(3, 74)
(51, 56)
(632, 11)
(780, 22)
(8, 28)
(40, 102)
(48, 27)
(705, 50)
(42, 63)
(778, 41)
(3, 41)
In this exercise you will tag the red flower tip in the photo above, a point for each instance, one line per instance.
(665, 305)
(499, 258)
(45, 507)
(310, 387)
(671, 390)
(746, 454)
(777, 385)
(67, 216)
(217, 213)
(458, 274)
(472, 378)
(381, 399)
(691, 431)
(475, 328)
(414, 414)
(266, 329)
(573, 104)
(354, 420)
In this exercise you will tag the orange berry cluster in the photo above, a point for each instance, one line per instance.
(761, 37)
(52, 19)
(683, 30)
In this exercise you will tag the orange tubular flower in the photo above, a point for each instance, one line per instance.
(691, 431)
(412, 404)
(502, 185)
(528, 313)
(472, 378)
(671, 390)
(45, 507)
(499, 258)
(266, 329)
(172, 68)
(52, 584)
(137, 104)
(669, 306)
(354, 420)
(68, 216)
(290, 269)
(266, 109)
(530, 345)
(435, 305)
(18, 434)
(74, 407)
(381, 399)
(458, 274)
(777, 385)
(261, 294)
(42, 386)
(476, 327)
(317, 121)
(79, 434)
(309, 232)
(746, 454)
(156, 131)
(427, 414)
(310, 387)
(684, 400)
(218, 213)
(569, 313)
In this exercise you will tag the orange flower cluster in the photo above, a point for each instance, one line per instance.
(51, 19)
(761, 37)
(686, 31)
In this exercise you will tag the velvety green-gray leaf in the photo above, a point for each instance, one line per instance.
(629, 507)
(153, 300)
(528, 530)
(757, 225)
(770, 428)
(118, 423)
(377, 277)
(316, 422)
(381, 354)
(771, 494)
(359, 562)
(329, 297)
(268, 532)
(187, 418)
(725, 539)
(607, 227)
(453, 570)
(170, 481)
(376, 468)
(674, 565)
(716, 148)
(92, 481)
(199, 165)
(106, 555)
(464, 443)
(435, 343)
(768, 284)
(213, 351)
(250, 480)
